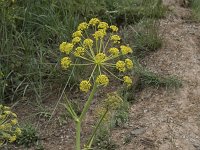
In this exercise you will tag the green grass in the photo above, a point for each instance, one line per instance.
(148, 78)
(29, 136)
(195, 5)
(136, 10)
(144, 37)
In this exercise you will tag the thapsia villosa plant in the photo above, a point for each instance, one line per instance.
(9, 128)
(100, 54)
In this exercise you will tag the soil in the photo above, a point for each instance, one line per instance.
(168, 120)
(160, 119)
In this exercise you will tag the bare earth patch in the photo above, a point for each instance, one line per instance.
(169, 120)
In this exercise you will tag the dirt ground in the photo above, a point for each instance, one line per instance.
(169, 119)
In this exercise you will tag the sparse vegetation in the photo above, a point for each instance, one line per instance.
(149, 78)
(195, 5)
(144, 37)
(29, 136)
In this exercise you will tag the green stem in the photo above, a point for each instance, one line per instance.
(89, 144)
(88, 103)
(78, 135)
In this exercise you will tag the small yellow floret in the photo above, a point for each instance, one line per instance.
(94, 21)
(114, 28)
(99, 34)
(127, 81)
(99, 58)
(82, 26)
(2, 117)
(66, 47)
(115, 38)
(76, 40)
(7, 112)
(6, 108)
(14, 121)
(129, 63)
(77, 34)
(2, 127)
(125, 49)
(65, 62)
(79, 51)
(121, 66)
(88, 43)
(14, 114)
(18, 131)
(12, 138)
(102, 80)
(85, 86)
(103, 25)
(114, 51)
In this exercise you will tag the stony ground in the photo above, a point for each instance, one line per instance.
(169, 120)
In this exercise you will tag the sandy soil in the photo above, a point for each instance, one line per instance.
(169, 120)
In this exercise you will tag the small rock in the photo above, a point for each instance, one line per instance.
(136, 132)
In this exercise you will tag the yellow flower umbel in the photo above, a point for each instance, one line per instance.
(85, 86)
(129, 64)
(115, 38)
(121, 66)
(94, 21)
(113, 101)
(9, 129)
(102, 80)
(65, 62)
(83, 26)
(80, 51)
(99, 58)
(114, 51)
(76, 40)
(125, 49)
(99, 34)
(14, 122)
(12, 138)
(88, 43)
(77, 34)
(127, 81)
(103, 25)
(66, 47)
(114, 28)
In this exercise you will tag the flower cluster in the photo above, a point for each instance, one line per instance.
(124, 65)
(113, 101)
(102, 80)
(65, 62)
(100, 111)
(9, 129)
(99, 51)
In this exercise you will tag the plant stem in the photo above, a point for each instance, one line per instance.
(88, 103)
(78, 135)
(89, 144)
